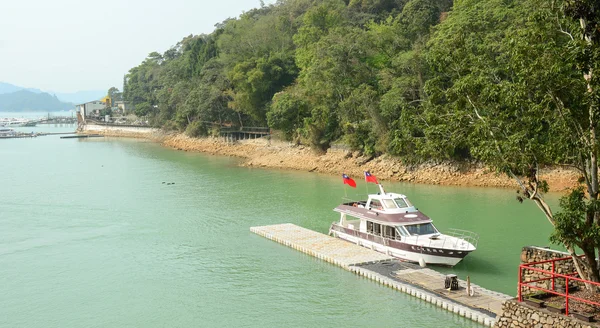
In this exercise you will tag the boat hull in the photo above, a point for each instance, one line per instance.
(398, 249)
(17, 124)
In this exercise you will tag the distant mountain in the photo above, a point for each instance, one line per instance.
(8, 88)
(78, 97)
(28, 101)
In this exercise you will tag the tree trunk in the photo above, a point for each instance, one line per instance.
(590, 257)
(587, 270)
(240, 119)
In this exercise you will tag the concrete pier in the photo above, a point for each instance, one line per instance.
(483, 307)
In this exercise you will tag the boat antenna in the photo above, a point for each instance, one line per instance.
(381, 189)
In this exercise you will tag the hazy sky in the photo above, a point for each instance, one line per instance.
(72, 45)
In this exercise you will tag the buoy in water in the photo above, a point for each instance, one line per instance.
(422, 262)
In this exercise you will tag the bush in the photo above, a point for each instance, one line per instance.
(196, 129)
(170, 126)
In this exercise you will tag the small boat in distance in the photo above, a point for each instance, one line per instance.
(389, 223)
(6, 133)
(17, 122)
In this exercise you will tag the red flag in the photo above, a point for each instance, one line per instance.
(370, 177)
(348, 180)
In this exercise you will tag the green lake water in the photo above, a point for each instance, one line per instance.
(90, 236)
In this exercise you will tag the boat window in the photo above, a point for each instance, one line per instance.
(376, 204)
(369, 227)
(401, 203)
(402, 231)
(389, 232)
(377, 229)
(421, 229)
(389, 203)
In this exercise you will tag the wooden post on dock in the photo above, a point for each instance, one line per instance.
(468, 285)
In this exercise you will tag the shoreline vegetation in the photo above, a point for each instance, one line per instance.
(277, 154)
(443, 83)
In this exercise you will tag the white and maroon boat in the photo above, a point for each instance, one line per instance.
(389, 223)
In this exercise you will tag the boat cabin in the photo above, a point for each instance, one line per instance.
(390, 202)
(399, 230)
(389, 215)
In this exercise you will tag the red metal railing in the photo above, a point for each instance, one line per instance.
(552, 275)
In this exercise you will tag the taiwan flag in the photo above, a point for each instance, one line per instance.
(348, 180)
(370, 177)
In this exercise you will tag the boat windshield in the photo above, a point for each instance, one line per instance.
(401, 231)
(421, 229)
(402, 202)
(389, 203)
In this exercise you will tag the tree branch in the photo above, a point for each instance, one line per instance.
(562, 30)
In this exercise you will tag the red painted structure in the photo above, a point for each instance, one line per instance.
(552, 275)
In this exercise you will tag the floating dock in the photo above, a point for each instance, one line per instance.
(483, 307)
(79, 136)
(16, 136)
(32, 135)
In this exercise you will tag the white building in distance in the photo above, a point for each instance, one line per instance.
(90, 109)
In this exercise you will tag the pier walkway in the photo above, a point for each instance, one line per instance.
(333, 250)
(483, 307)
(234, 134)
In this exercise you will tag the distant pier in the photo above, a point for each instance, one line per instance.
(244, 133)
(17, 135)
(58, 120)
(428, 285)
(80, 136)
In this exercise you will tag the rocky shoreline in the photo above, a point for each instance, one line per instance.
(283, 155)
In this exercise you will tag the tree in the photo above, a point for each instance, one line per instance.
(142, 109)
(287, 113)
(514, 82)
(397, 52)
(579, 222)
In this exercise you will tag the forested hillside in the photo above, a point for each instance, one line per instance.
(28, 101)
(419, 79)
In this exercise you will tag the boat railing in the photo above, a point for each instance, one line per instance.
(465, 235)
(383, 240)
(460, 240)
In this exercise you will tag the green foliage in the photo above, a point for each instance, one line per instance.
(318, 71)
(575, 222)
(196, 129)
(287, 113)
(142, 109)
(497, 96)
(256, 81)
(514, 82)
(114, 94)
(105, 111)
(383, 76)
